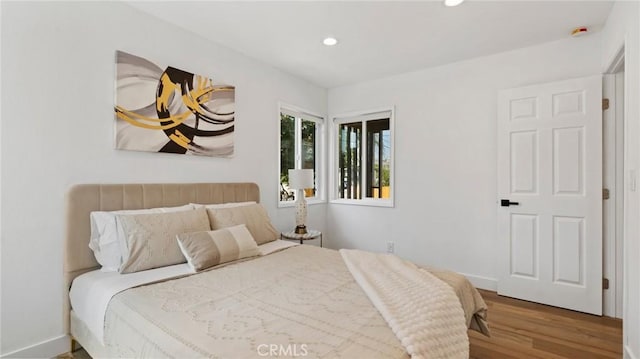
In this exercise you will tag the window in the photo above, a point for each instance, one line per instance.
(363, 158)
(301, 138)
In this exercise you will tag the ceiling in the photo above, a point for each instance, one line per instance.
(377, 38)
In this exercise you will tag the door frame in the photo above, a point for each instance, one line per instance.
(613, 179)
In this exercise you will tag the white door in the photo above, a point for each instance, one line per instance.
(550, 164)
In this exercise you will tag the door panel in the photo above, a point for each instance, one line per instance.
(568, 161)
(568, 245)
(524, 245)
(550, 163)
(524, 162)
(523, 108)
(568, 103)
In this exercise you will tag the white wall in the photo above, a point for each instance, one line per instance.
(57, 130)
(445, 213)
(623, 29)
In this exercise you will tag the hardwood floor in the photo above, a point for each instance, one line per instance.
(521, 329)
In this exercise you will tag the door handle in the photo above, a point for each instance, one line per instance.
(507, 203)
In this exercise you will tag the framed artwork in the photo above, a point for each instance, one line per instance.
(165, 109)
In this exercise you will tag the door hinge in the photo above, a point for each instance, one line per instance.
(605, 104)
(605, 193)
(605, 283)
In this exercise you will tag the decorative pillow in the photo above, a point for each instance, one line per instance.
(207, 249)
(254, 216)
(149, 240)
(104, 234)
(223, 205)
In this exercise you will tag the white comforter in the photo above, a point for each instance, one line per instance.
(300, 298)
(91, 292)
(423, 311)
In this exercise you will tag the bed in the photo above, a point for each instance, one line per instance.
(292, 300)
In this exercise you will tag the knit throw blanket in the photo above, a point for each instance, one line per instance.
(423, 311)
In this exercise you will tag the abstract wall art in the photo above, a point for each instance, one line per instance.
(165, 109)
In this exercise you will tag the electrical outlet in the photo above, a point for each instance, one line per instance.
(390, 247)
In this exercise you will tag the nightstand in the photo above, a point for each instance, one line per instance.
(311, 234)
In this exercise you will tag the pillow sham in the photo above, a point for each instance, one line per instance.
(223, 205)
(148, 241)
(207, 249)
(254, 216)
(104, 234)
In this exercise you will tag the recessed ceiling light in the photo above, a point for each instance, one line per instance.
(330, 41)
(453, 2)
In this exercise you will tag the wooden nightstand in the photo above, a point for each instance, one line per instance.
(293, 236)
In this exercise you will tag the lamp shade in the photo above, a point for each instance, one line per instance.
(300, 179)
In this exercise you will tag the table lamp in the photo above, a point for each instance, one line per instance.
(301, 180)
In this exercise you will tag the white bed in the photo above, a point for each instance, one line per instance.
(296, 300)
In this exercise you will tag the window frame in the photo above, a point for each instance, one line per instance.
(320, 167)
(334, 175)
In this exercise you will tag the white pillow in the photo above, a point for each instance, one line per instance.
(104, 234)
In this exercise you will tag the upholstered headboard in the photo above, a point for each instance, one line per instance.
(85, 198)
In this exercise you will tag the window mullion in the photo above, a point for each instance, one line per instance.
(317, 153)
(338, 165)
(298, 142)
(363, 162)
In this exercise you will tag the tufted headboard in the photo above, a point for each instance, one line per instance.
(84, 198)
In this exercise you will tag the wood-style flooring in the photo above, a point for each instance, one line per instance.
(521, 329)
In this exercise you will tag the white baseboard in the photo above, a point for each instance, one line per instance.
(47, 349)
(628, 354)
(482, 282)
